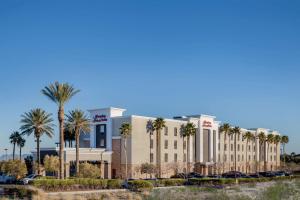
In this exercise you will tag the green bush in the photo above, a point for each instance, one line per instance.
(114, 184)
(140, 185)
(171, 182)
(210, 181)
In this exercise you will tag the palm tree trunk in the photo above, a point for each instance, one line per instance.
(224, 153)
(20, 153)
(235, 152)
(38, 154)
(158, 161)
(188, 155)
(283, 155)
(125, 151)
(247, 157)
(61, 142)
(14, 149)
(77, 152)
(229, 151)
(265, 158)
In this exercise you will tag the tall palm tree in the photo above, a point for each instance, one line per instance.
(78, 122)
(21, 144)
(262, 142)
(277, 140)
(270, 140)
(188, 131)
(150, 130)
(225, 129)
(60, 93)
(230, 134)
(37, 122)
(236, 131)
(158, 125)
(14, 137)
(125, 131)
(248, 136)
(284, 141)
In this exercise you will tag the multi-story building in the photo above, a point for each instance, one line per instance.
(208, 151)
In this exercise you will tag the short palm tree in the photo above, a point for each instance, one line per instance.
(248, 136)
(277, 140)
(14, 138)
(21, 144)
(284, 141)
(262, 142)
(236, 131)
(37, 122)
(60, 93)
(225, 129)
(125, 131)
(188, 130)
(78, 123)
(158, 125)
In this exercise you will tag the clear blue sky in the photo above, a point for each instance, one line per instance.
(237, 60)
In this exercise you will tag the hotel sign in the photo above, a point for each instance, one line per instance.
(207, 124)
(100, 118)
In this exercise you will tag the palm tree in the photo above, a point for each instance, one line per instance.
(188, 130)
(69, 136)
(78, 123)
(284, 141)
(248, 136)
(236, 131)
(150, 130)
(262, 143)
(277, 140)
(270, 140)
(158, 125)
(125, 131)
(37, 122)
(230, 134)
(14, 137)
(225, 129)
(21, 144)
(60, 93)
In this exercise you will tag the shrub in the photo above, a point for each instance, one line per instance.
(114, 184)
(87, 170)
(14, 168)
(51, 164)
(140, 185)
(171, 182)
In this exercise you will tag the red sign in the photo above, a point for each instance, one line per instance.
(100, 118)
(207, 124)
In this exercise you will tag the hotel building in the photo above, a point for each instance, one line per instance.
(210, 152)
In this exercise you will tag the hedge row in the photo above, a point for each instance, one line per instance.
(138, 185)
(77, 184)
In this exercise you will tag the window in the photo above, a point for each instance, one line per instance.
(166, 130)
(231, 147)
(225, 158)
(242, 157)
(175, 157)
(239, 138)
(231, 158)
(219, 136)
(238, 147)
(249, 148)
(166, 144)
(175, 144)
(249, 158)
(225, 147)
(274, 158)
(151, 157)
(254, 157)
(242, 147)
(184, 144)
(175, 131)
(231, 137)
(166, 157)
(151, 144)
(254, 148)
(219, 158)
(271, 149)
(184, 157)
(271, 158)
(219, 145)
(239, 158)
